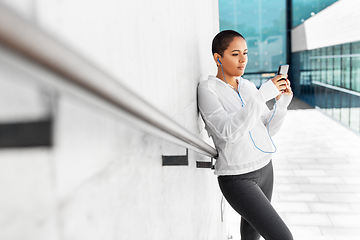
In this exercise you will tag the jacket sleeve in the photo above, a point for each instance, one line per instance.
(277, 119)
(232, 126)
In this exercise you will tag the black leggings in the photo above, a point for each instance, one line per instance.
(250, 195)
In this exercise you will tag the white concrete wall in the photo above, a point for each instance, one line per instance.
(337, 24)
(103, 179)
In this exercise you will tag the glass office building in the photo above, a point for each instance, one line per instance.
(263, 24)
(327, 78)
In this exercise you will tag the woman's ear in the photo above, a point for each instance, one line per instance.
(217, 59)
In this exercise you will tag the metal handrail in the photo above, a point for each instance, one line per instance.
(32, 43)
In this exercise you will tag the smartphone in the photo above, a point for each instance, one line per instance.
(283, 70)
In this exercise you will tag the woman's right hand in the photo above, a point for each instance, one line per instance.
(280, 82)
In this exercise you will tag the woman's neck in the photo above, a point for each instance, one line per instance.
(229, 80)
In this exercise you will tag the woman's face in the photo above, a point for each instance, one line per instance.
(234, 59)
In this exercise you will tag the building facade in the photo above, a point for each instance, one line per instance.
(326, 62)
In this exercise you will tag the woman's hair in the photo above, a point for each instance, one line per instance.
(222, 40)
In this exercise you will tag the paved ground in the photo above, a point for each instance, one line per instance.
(317, 177)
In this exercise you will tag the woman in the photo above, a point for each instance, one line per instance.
(241, 125)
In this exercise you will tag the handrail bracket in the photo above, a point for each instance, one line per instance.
(176, 160)
(203, 164)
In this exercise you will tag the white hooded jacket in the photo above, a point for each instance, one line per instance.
(229, 123)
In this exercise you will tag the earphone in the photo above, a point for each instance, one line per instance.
(243, 104)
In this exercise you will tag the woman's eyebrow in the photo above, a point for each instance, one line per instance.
(238, 50)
